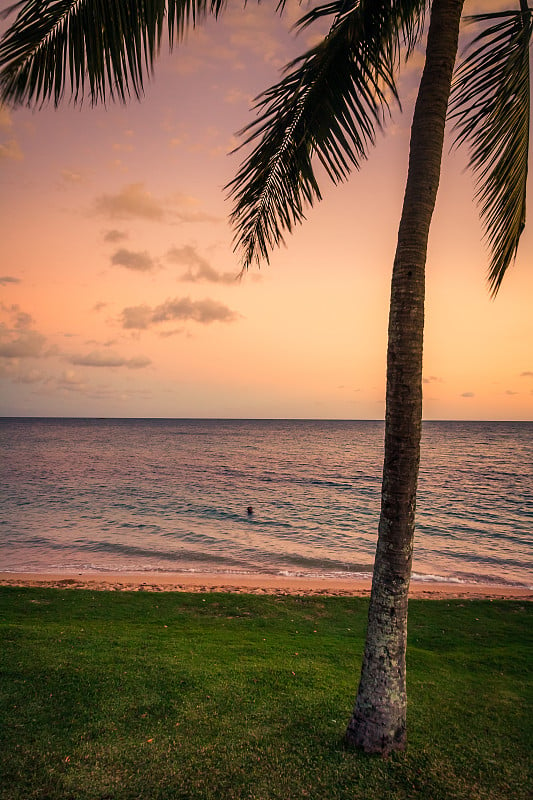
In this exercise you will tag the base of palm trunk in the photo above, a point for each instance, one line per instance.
(379, 736)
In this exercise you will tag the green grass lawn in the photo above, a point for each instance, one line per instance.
(178, 696)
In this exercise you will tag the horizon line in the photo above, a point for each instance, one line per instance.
(241, 419)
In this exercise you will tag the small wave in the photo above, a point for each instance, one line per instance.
(481, 580)
(336, 575)
(421, 578)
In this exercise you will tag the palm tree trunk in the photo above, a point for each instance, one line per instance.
(378, 723)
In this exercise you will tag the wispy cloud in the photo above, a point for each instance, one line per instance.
(69, 379)
(199, 270)
(186, 208)
(468, 394)
(7, 279)
(20, 373)
(99, 359)
(10, 151)
(136, 261)
(115, 235)
(236, 95)
(204, 312)
(72, 176)
(6, 122)
(250, 32)
(526, 374)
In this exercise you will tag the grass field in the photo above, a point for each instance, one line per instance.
(168, 696)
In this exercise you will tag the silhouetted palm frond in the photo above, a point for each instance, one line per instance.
(328, 104)
(491, 107)
(110, 44)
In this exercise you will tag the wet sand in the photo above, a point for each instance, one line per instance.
(252, 584)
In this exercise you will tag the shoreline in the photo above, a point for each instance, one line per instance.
(253, 584)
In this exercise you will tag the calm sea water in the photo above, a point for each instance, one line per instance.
(172, 495)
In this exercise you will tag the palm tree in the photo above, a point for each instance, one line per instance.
(327, 106)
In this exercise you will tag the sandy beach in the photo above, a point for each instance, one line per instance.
(251, 584)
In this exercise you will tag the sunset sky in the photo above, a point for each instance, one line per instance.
(118, 282)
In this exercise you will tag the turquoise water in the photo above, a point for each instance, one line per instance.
(172, 495)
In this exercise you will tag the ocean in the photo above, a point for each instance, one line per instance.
(97, 495)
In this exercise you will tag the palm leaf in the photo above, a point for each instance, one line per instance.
(491, 107)
(57, 44)
(328, 104)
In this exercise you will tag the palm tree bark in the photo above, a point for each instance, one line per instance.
(378, 723)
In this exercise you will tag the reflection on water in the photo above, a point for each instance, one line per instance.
(173, 494)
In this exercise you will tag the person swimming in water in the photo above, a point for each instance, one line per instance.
(249, 511)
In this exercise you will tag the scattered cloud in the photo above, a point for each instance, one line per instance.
(254, 32)
(29, 376)
(21, 319)
(136, 261)
(186, 208)
(527, 374)
(122, 147)
(20, 373)
(10, 151)
(69, 379)
(5, 118)
(199, 270)
(432, 379)
(7, 279)
(26, 344)
(202, 311)
(98, 359)
(137, 317)
(115, 235)
(468, 394)
(72, 176)
(236, 95)
(208, 52)
(258, 33)
(510, 392)
(134, 201)
(99, 306)
(17, 339)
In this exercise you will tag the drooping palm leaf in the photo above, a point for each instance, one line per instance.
(329, 104)
(491, 107)
(57, 44)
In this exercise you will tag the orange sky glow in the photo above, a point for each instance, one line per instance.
(118, 290)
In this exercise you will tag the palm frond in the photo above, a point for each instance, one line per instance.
(328, 104)
(408, 17)
(58, 45)
(491, 108)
